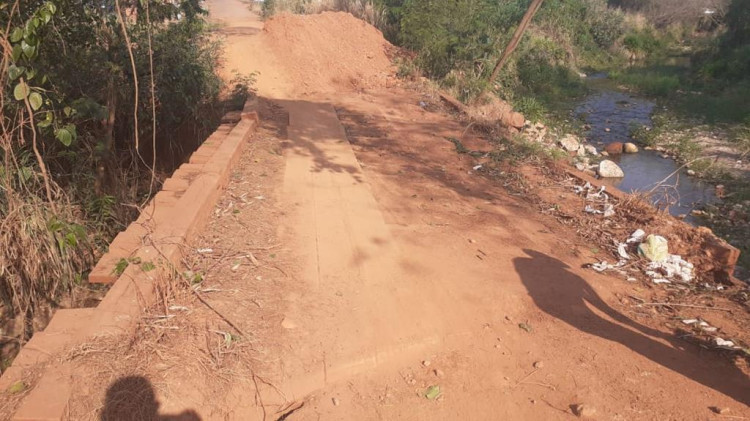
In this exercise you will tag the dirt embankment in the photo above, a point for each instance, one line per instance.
(329, 51)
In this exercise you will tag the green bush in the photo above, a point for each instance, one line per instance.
(531, 108)
(642, 41)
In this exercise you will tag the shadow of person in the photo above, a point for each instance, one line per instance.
(568, 297)
(133, 398)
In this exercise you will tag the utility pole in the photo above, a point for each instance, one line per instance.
(533, 7)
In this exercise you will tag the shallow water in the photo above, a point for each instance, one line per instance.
(645, 171)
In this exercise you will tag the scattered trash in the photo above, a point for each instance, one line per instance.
(724, 343)
(622, 250)
(598, 198)
(672, 266)
(259, 197)
(477, 167)
(525, 326)
(655, 248)
(206, 250)
(589, 209)
(662, 266)
(432, 392)
(636, 236)
(539, 364)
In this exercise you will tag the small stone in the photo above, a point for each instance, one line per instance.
(569, 143)
(607, 129)
(583, 411)
(539, 364)
(335, 401)
(605, 153)
(608, 169)
(630, 148)
(426, 363)
(288, 324)
(720, 411)
(690, 172)
(439, 373)
(665, 156)
(614, 148)
(472, 241)
(591, 149)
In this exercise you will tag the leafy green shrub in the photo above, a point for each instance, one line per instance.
(642, 41)
(96, 98)
(531, 108)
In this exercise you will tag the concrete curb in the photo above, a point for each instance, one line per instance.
(173, 217)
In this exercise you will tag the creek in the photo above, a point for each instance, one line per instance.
(611, 115)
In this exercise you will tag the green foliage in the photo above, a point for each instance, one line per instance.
(530, 107)
(653, 81)
(642, 41)
(241, 87)
(451, 34)
(459, 42)
(268, 8)
(68, 69)
(738, 25)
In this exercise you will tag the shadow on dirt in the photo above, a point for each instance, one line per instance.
(568, 297)
(133, 398)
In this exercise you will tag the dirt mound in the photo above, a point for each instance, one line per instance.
(329, 51)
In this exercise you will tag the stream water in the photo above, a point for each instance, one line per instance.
(611, 115)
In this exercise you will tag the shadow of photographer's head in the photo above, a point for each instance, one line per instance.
(133, 398)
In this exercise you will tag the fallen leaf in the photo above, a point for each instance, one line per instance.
(432, 392)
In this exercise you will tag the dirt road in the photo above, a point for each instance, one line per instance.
(386, 266)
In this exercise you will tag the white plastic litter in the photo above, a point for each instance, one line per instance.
(636, 236)
(672, 266)
(609, 210)
(476, 167)
(598, 198)
(622, 250)
(206, 250)
(590, 209)
(724, 343)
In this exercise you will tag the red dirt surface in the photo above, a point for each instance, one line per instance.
(362, 261)
(329, 51)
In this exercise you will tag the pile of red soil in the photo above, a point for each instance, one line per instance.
(330, 51)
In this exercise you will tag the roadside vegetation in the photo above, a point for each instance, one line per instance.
(99, 100)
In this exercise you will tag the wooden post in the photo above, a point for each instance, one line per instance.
(533, 7)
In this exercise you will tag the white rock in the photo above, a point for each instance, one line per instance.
(608, 169)
(569, 143)
(590, 149)
(630, 148)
